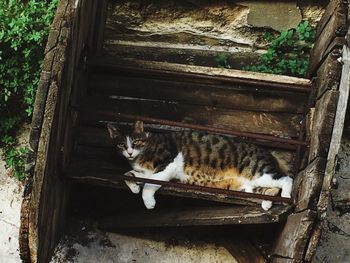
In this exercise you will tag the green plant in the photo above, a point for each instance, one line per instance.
(24, 27)
(288, 54)
(223, 61)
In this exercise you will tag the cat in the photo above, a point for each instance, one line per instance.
(201, 159)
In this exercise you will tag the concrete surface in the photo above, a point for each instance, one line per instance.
(10, 204)
(85, 243)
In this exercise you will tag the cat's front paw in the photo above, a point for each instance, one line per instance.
(266, 205)
(135, 188)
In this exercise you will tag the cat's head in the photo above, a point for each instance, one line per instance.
(129, 144)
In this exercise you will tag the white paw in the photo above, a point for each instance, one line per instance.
(266, 205)
(287, 187)
(149, 202)
(135, 188)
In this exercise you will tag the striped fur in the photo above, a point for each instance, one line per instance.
(200, 159)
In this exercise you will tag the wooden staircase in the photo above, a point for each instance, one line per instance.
(260, 108)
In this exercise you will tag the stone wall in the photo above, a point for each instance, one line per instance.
(197, 31)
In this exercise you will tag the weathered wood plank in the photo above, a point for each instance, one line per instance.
(329, 11)
(328, 75)
(194, 217)
(244, 251)
(314, 239)
(322, 125)
(308, 184)
(336, 135)
(98, 35)
(102, 166)
(29, 232)
(100, 173)
(168, 52)
(334, 48)
(292, 240)
(284, 260)
(330, 31)
(200, 74)
(239, 96)
(279, 124)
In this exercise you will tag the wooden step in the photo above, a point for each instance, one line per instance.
(228, 215)
(102, 166)
(198, 74)
(235, 58)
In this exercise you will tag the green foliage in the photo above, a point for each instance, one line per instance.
(24, 27)
(288, 54)
(223, 60)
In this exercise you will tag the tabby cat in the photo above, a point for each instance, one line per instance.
(201, 159)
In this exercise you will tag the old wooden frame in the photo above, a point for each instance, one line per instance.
(56, 125)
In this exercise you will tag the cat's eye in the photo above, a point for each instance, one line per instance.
(137, 142)
(120, 145)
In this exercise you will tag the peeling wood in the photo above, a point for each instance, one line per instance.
(337, 132)
(329, 33)
(284, 260)
(308, 184)
(278, 124)
(329, 41)
(341, 5)
(193, 217)
(314, 239)
(322, 125)
(328, 75)
(239, 96)
(292, 240)
(200, 74)
(244, 251)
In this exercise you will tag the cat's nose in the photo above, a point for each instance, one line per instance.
(129, 151)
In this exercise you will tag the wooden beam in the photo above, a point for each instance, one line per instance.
(244, 251)
(163, 70)
(238, 97)
(344, 88)
(307, 185)
(323, 119)
(293, 239)
(195, 217)
(269, 126)
(330, 9)
(328, 75)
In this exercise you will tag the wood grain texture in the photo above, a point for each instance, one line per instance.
(329, 11)
(194, 217)
(278, 124)
(284, 260)
(28, 238)
(307, 185)
(330, 33)
(103, 166)
(244, 251)
(44, 207)
(292, 240)
(328, 75)
(200, 74)
(314, 239)
(337, 131)
(239, 96)
(322, 125)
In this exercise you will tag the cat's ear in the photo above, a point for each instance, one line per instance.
(138, 127)
(113, 130)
